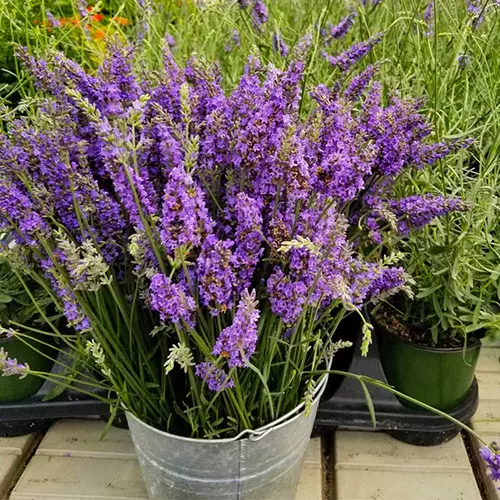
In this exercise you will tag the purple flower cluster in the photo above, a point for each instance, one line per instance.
(279, 45)
(415, 212)
(475, 7)
(234, 42)
(216, 275)
(248, 239)
(429, 18)
(185, 218)
(429, 12)
(10, 367)
(410, 213)
(169, 186)
(287, 297)
(216, 379)
(171, 301)
(259, 11)
(464, 60)
(238, 341)
(170, 40)
(491, 456)
(339, 30)
(347, 59)
(260, 14)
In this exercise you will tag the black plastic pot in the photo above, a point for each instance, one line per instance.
(439, 377)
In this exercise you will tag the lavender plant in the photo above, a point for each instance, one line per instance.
(208, 244)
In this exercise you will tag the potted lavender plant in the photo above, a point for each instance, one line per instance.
(208, 245)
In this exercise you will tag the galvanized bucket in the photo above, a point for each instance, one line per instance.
(264, 465)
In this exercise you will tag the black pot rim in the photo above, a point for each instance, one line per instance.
(476, 343)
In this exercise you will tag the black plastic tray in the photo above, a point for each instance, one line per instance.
(25, 416)
(344, 405)
(347, 407)
(70, 403)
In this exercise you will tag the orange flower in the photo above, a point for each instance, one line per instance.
(69, 20)
(121, 20)
(99, 34)
(97, 17)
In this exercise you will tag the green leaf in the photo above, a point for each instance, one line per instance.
(369, 402)
(5, 299)
(114, 410)
(59, 388)
(425, 292)
(435, 334)
(439, 249)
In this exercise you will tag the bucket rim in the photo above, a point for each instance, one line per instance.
(255, 433)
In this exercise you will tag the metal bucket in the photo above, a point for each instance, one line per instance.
(264, 465)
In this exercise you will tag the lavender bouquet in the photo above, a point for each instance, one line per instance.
(207, 246)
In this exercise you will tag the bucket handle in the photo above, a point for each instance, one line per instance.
(258, 436)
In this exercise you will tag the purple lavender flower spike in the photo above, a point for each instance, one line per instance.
(360, 82)
(185, 218)
(415, 212)
(464, 60)
(8, 332)
(73, 312)
(81, 5)
(234, 42)
(117, 74)
(372, 281)
(429, 18)
(353, 54)
(429, 12)
(244, 3)
(10, 367)
(279, 46)
(476, 8)
(340, 30)
(491, 456)
(45, 78)
(287, 298)
(259, 13)
(216, 275)
(54, 22)
(172, 302)
(237, 342)
(215, 378)
(248, 239)
(236, 38)
(15, 206)
(303, 46)
(170, 40)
